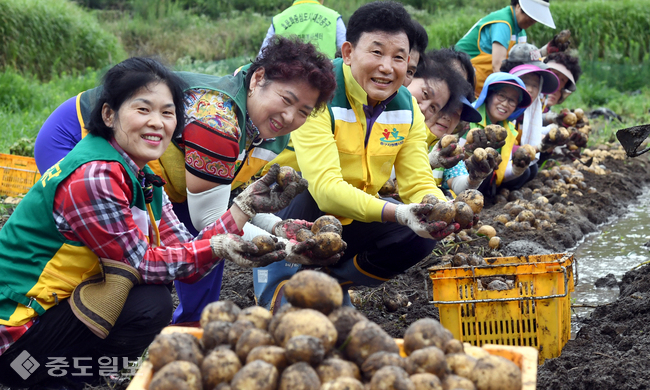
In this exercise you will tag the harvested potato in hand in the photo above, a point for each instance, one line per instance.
(178, 375)
(327, 244)
(286, 175)
(304, 235)
(265, 244)
(430, 199)
(326, 220)
(464, 214)
(314, 290)
(443, 211)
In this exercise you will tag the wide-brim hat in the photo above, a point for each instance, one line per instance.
(551, 82)
(538, 10)
(98, 300)
(571, 87)
(469, 113)
(526, 100)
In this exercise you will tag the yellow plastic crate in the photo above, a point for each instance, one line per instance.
(18, 174)
(524, 357)
(535, 313)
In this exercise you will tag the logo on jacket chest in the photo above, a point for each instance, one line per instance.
(391, 138)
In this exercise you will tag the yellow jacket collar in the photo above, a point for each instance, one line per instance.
(353, 88)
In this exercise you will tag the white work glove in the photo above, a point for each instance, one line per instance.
(260, 198)
(301, 253)
(415, 215)
(442, 157)
(288, 228)
(243, 253)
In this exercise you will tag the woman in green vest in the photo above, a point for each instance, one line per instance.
(86, 256)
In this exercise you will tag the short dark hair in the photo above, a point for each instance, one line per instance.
(386, 16)
(572, 63)
(420, 38)
(446, 56)
(290, 59)
(514, 2)
(507, 65)
(458, 86)
(124, 80)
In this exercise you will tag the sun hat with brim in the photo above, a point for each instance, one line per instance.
(509, 79)
(526, 53)
(538, 10)
(98, 300)
(469, 113)
(526, 100)
(571, 87)
(551, 82)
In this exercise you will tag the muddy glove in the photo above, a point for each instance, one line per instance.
(481, 165)
(288, 228)
(415, 215)
(579, 139)
(260, 198)
(442, 157)
(520, 161)
(480, 140)
(560, 42)
(301, 253)
(557, 136)
(243, 253)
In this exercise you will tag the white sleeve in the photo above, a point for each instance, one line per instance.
(208, 206)
(340, 32)
(269, 34)
(461, 183)
(251, 231)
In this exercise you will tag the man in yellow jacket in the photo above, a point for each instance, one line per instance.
(348, 151)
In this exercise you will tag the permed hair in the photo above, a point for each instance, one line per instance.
(572, 63)
(458, 86)
(386, 16)
(290, 59)
(124, 80)
(447, 57)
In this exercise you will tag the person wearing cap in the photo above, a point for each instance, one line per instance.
(503, 98)
(312, 22)
(347, 152)
(490, 39)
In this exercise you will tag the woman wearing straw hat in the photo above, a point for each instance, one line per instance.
(85, 256)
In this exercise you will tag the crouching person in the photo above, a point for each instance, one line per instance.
(86, 257)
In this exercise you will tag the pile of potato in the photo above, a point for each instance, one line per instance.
(574, 121)
(315, 343)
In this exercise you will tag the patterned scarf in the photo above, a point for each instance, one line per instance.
(147, 181)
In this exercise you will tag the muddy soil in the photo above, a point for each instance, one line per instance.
(612, 347)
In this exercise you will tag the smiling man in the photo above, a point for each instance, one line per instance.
(347, 152)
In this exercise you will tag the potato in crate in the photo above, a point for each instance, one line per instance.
(533, 309)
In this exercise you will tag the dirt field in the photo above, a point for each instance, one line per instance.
(611, 349)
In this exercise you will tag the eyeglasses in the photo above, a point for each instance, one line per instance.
(502, 98)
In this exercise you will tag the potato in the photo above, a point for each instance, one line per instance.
(219, 311)
(333, 368)
(531, 151)
(479, 154)
(460, 364)
(299, 376)
(515, 210)
(495, 242)
(388, 188)
(503, 218)
(277, 316)
(423, 333)
(487, 230)
(570, 119)
(271, 354)
(343, 383)
(464, 214)
(475, 260)
(453, 346)
(286, 176)
(256, 375)
(326, 220)
(366, 338)
(448, 140)
(178, 375)
(455, 382)
(391, 378)
(215, 333)
(496, 373)
(308, 349)
(219, 366)
(579, 113)
(327, 244)
(257, 315)
(250, 339)
(459, 260)
(426, 381)
(475, 352)
(430, 199)
(344, 319)
(526, 216)
(306, 322)
(167, 348)
(304, 235)
(443, 211)
(314, 290)
(381, 359)
(470, 135)
(265, 244)
(237, 329)
(473, 198)
(429, 359)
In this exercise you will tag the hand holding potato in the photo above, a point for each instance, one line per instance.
(259, 197)
(307, 252)
(579, 139)
(445, 155)
(482, 164)
(521, 159)
(493, 136)
(289, 228)
(415, 216)
(245, 253)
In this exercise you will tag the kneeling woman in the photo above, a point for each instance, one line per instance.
(86, 256)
